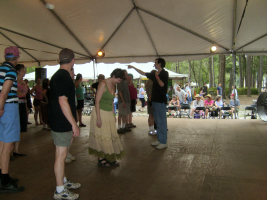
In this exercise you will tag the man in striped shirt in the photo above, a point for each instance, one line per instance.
(9, 117)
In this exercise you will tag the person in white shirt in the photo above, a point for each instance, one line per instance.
(181, 94)
(196, 103)
(188, 91)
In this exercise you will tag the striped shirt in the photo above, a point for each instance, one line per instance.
(8, 72)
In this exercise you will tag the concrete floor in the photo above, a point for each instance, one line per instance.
(206, 159)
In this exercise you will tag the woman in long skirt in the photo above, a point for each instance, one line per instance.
(104, 141)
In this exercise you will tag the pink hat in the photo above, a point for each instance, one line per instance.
(12, 51)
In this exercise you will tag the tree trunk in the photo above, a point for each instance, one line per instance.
(252, 72)
(241, 80)
(231, 83)
(222, 73)
(210, 72)
(260, 74)
(248, 75)
(193, 69)
(200, 65)
(178, 68)
(245, 69)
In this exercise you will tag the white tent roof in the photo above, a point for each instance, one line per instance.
(132, 30)
(87, 70)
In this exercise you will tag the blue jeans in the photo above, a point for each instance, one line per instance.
(159, 112)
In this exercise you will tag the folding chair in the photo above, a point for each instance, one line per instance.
(253, 113)
(183, 111)
(226, 112)
(200, 114)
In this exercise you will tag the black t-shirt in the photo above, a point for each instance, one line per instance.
(61, 84)
(205, 89)
(95, 85)
(159, 93)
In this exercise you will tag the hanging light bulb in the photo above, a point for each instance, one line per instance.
(213, 49)
(101, 53)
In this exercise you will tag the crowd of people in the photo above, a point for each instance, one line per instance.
(58, 105)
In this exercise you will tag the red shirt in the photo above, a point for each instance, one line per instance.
(133, 92)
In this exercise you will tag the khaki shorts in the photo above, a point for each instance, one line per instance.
(62, 139)
(124, 111)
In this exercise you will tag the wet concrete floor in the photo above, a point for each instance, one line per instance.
(206, 159)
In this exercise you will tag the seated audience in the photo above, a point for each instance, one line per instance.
(196, 103)
(174, 103)
(219, 104)
(234, 103)
(208, 104)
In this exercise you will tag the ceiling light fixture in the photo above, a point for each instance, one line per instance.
(213, 49)
(101, 53)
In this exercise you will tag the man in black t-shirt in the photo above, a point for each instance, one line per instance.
(94, 86)
(159, 100)
(62, 121)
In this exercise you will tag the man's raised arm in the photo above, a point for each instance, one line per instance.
(138, 70)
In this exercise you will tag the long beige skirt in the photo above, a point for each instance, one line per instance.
(104, 142)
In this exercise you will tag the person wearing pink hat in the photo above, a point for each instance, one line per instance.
(234, 103)
(9, 118)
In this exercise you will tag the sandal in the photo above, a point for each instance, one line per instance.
(102, 163)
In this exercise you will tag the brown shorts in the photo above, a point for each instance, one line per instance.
(124, 111)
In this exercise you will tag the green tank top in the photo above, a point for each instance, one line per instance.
(106, 100)
(79, 91)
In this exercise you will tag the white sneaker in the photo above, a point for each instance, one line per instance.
(155, 143)
(71, 156)
(66, 194)
(154, 132)
(68, 160)
(150, 132)
(162, 146)
(70, 185)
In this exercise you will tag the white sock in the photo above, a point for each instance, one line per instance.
(151, 128)
(119, 126)
(123, 125)
(65, 180)
(60, 189)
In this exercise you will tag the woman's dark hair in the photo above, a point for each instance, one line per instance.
(45, 83)
(201, 88)
(78, 77)
(118, 73)
(18, 67)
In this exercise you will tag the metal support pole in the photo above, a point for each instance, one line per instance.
(94, 68)
(234, 66)
(213, 74)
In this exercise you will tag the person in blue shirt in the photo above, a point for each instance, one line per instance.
(219, 104)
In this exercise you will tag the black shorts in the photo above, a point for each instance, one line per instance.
(80, 104)
(133, 107)
(36, 102)
(23, 117)
(143, 102)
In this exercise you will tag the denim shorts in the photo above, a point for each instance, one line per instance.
(62, 139)
(10, 123)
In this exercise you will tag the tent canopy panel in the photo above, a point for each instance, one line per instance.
(198, 24)
(32, 18)
(132, 40)
(254, 24)
(93, 21)
(208, 20)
